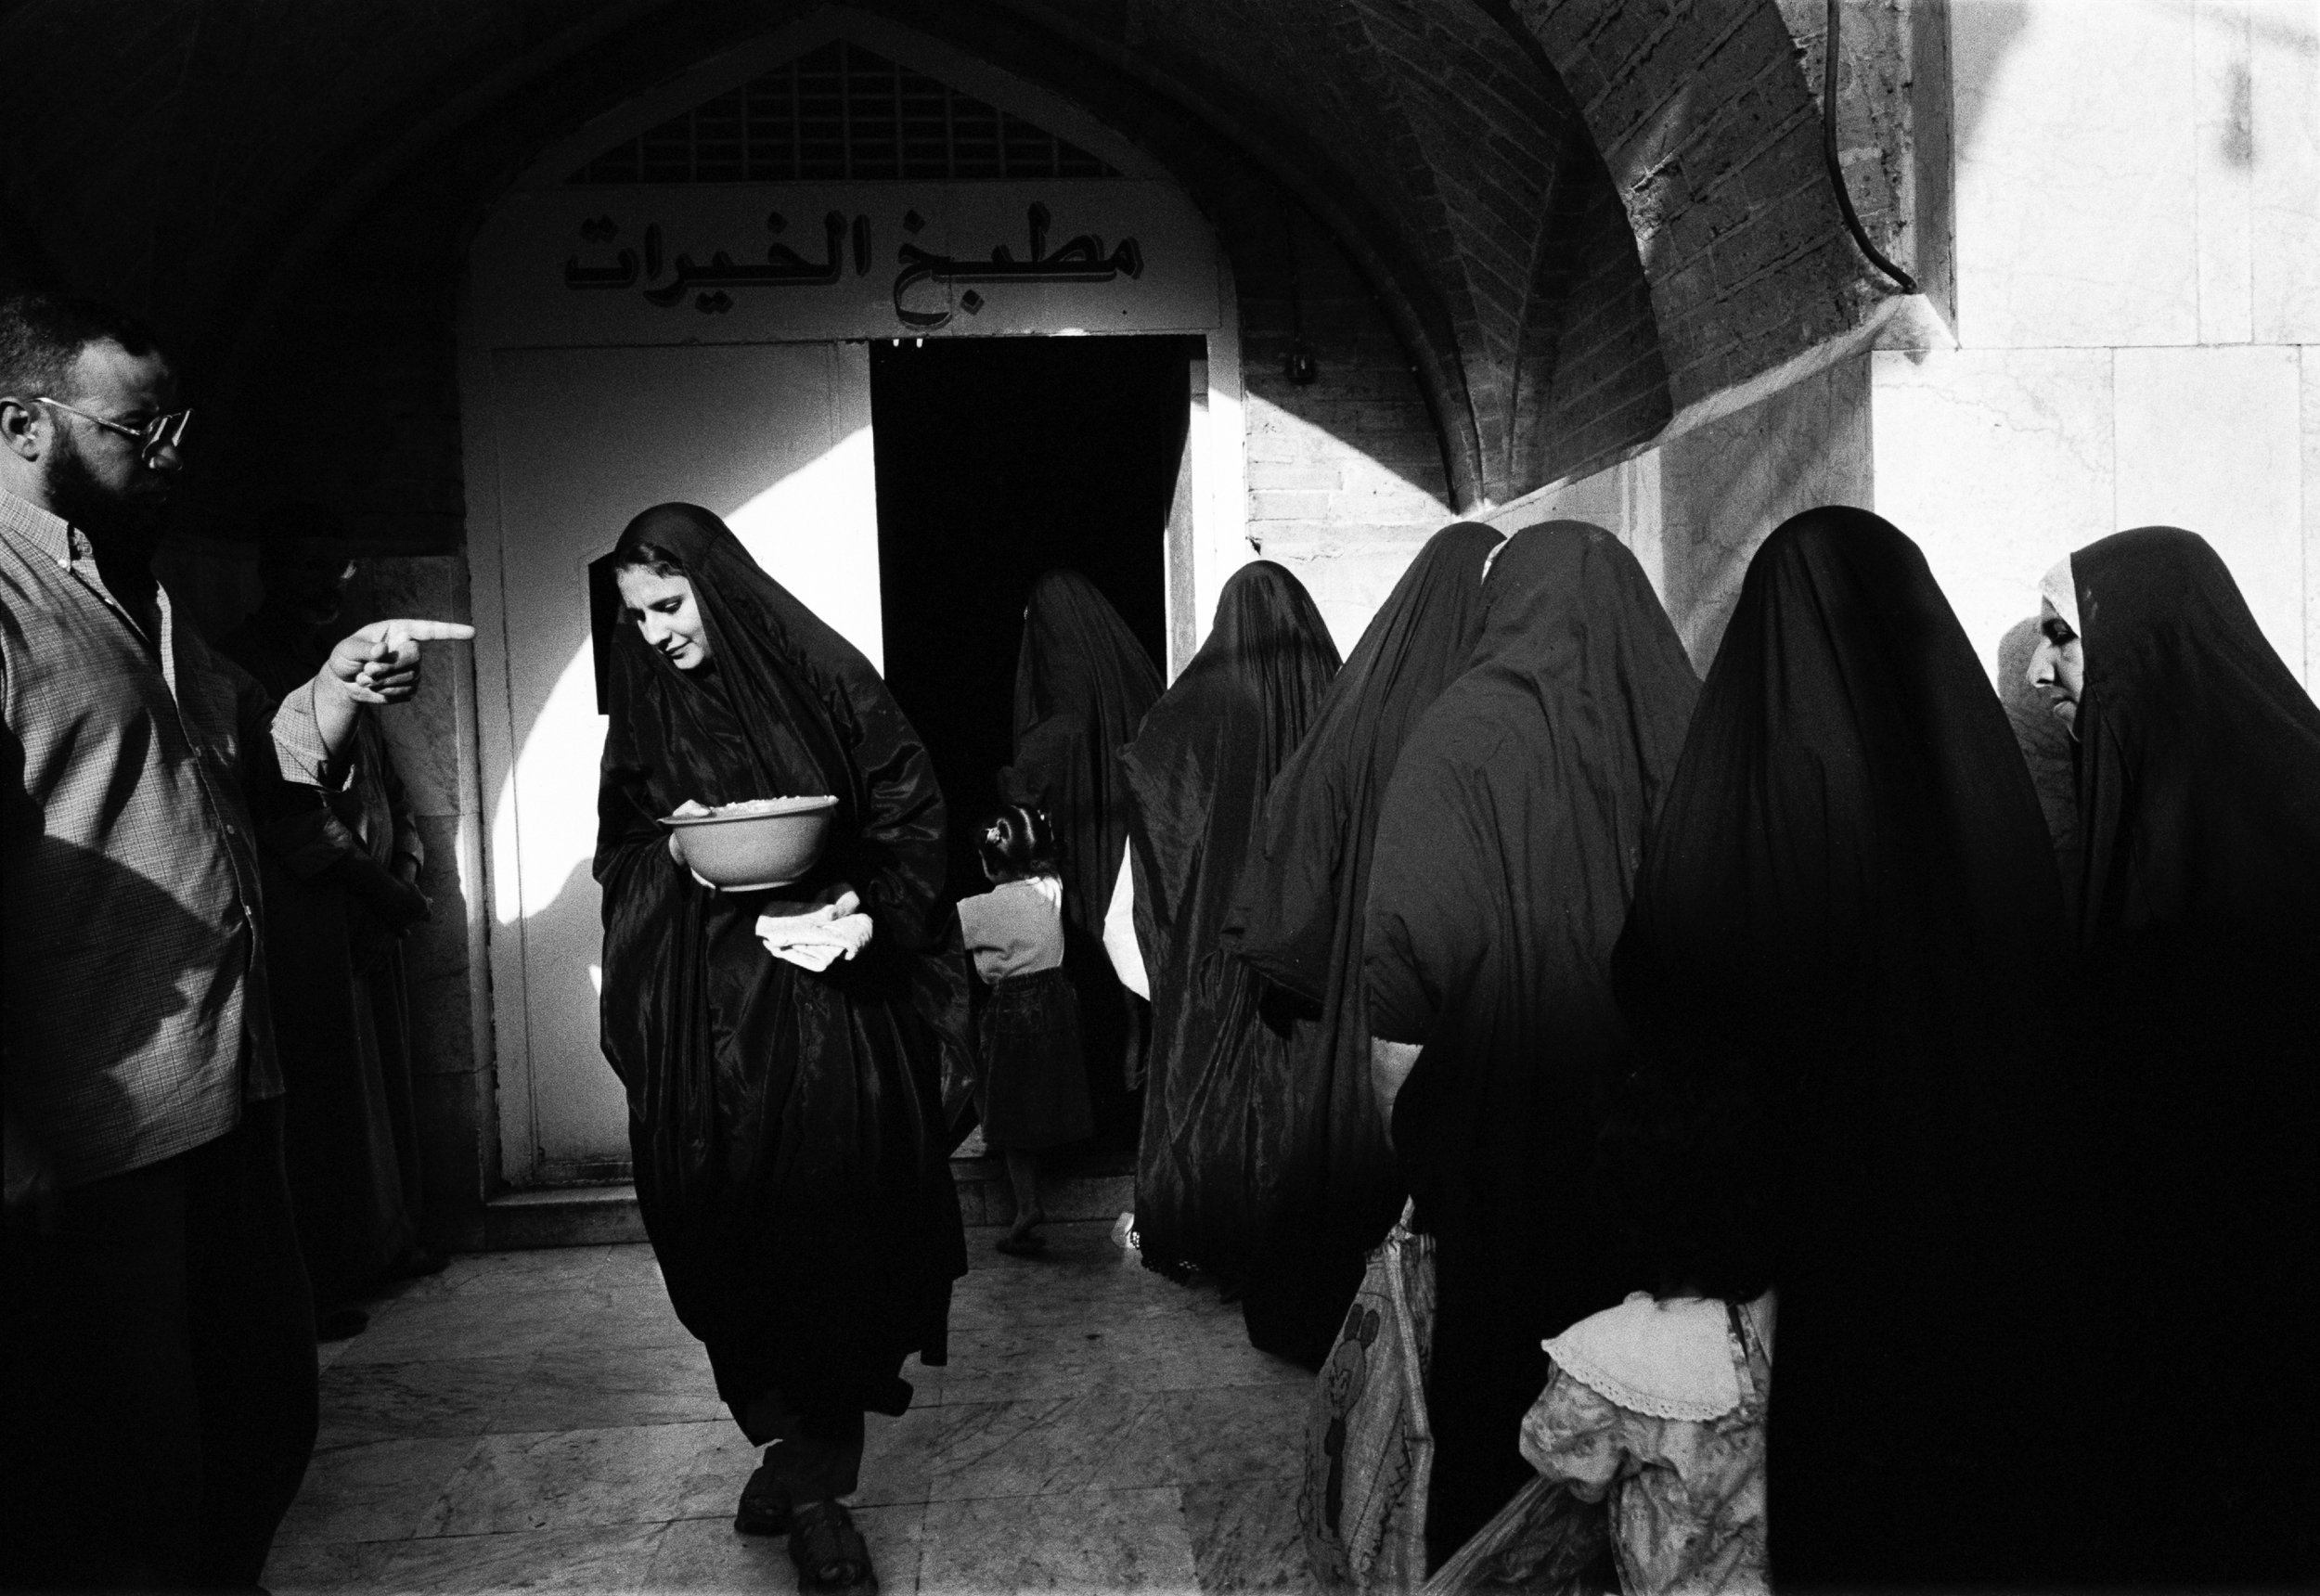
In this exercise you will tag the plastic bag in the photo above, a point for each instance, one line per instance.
(1368, 1449)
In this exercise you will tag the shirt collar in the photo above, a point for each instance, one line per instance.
(44, 530)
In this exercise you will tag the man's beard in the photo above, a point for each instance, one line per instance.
(124, 526)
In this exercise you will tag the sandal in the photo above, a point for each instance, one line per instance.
(827, 1550)
(765, 1508)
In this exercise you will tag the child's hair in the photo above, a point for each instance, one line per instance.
(1018, 842)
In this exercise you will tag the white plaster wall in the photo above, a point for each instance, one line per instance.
(2138, 302)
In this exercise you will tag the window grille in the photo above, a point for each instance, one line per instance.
(840, 114)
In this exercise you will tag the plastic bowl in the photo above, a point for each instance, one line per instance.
(749, 847)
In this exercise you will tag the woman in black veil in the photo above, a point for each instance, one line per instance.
(1845, 927)
(1082, 685)
(786, 1124)
(1198, 772)
(1328, 1188)
(1505, 851)
(2198, 764)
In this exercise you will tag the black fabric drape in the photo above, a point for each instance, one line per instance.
(2200, 790)
(1198, 772)
(1505, 852)
(787, 1128)
(1082, 685)
(1849, 905)
(1327, 1187)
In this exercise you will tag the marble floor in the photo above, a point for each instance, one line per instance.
(540, 1421)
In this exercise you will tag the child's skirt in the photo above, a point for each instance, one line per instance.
(1033, 1092)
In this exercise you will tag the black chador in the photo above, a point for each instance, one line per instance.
(1844, 930)
(1505, 854)
(786, 1124)
(1326, 1186)
(2199, 1055)
(1199, 770)
(1082, 685)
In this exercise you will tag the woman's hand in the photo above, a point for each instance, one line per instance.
(687, 810)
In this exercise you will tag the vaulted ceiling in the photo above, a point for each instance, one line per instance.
(1522, 181)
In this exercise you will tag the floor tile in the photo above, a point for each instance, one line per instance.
(636, 1316)
(383, 1490)
(1238, 1432)
(593, 1561)
(1246, 1537)
(704, 1554)
(504, 1274)
(898, 1456)
(391, 1401)
(472, 1323)
(542, 1422)
(1018, 1362)
(1081, 1541)
(1104, 1440)
(633, 1265)
(602, 1386)
(574, 1477)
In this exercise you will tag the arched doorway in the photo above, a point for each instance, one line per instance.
(681, 302)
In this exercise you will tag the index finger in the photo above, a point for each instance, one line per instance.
(430, 631)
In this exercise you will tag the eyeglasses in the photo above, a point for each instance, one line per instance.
(163, 432)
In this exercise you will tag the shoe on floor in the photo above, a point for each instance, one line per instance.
(341, 1324)
(765, 1508)
(1020, 1246)
(829, 1552)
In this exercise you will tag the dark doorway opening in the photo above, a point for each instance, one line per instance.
(999, 459)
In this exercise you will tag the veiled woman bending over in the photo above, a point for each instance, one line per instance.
(1505, 854)
(1199, 770)
(1327, 1187)
(785, 1119)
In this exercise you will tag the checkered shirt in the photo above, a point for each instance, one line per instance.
(133, 1014)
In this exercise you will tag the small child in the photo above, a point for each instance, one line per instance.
(1032, 1092)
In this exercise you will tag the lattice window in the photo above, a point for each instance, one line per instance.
(840, 114)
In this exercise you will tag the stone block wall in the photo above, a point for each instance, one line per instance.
(2138, 307)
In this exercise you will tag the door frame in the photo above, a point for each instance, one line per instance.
(1204, 549)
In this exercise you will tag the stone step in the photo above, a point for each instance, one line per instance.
(1075, 1185)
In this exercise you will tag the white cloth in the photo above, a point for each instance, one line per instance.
(815, 938)
(1119, 932)
(2060, 588)
(1671, 1359)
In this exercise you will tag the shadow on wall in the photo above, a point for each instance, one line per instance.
(1694, 510)
(1982, 31)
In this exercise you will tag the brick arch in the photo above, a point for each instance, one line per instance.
(1577, 214)
(1712, 140)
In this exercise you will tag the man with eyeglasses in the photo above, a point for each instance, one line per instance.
(157, 1376)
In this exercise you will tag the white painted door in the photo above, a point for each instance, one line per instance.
(776, 439)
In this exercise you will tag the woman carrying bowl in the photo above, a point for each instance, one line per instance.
(782, 1048)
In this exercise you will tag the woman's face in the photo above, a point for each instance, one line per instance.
(2058, 665)
(666, 614)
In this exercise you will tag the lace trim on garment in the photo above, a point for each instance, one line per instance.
(1672, 1360)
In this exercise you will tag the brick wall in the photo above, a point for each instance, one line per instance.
(1713, 143)
(1346, 475)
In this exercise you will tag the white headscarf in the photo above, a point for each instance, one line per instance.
(2060, 588)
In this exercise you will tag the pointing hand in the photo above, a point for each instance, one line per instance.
(380, 664)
